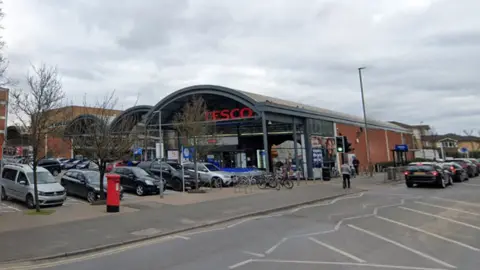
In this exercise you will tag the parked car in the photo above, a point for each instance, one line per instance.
(71, 164)
(467, 166)
(171, 172)
(138, 179)
(457, 171)
(474, 161)
(62, 162)
(17, 182)
(85, 184)
(52, 165)
(86, 164)
(427, 173)
(211, 174)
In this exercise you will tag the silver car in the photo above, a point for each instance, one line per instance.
(17, 183)
(211, 174)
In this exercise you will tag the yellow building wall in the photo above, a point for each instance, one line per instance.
(471, 146)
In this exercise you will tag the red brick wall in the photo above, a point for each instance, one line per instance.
(377, 139)
(56, 147)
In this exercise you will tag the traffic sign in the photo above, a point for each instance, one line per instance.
(464, 150)
(401, 148)
(187, 152)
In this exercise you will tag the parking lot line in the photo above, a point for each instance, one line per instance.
(428, 233)
(440, 217)
(448, 208)
(456, 201)
(344, 253)
(473, 185)
(401, 246)
(371, 265)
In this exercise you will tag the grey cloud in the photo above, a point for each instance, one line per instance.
(418, 58)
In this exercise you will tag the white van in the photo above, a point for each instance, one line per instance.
(17, 183)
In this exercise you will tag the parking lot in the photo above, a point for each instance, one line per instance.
(390, 227)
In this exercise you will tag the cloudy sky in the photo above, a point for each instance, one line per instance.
(422, 56)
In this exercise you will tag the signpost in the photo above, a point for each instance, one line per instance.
(464, 150)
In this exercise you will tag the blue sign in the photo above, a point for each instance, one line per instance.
(187, 152)
(464, 150)
(401, 147)
(137, 151)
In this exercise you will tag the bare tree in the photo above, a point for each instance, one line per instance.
(474, 141)
(195, 131)
(432, 141)
(37, 110)
(94, 137)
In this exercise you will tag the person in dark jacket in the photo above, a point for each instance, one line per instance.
(356, 164)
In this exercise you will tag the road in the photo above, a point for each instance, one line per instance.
(390, 227)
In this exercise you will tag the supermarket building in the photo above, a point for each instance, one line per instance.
(257, 130)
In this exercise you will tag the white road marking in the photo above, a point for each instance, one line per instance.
(428, 233)
(181, 237)
(344, 253)
(254, 254)
(270, 250)
(371, 265)
(401, 246)
(440, 217)
(448, 208)
(240, 264)
(328, 203)
(455, 201)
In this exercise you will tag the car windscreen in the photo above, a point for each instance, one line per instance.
(212, 167)
(92, 176)
(42, 178)
(139, 172)
(422, 168)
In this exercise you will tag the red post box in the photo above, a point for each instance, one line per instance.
(113, 193)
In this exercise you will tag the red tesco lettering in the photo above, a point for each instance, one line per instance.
(227, 114)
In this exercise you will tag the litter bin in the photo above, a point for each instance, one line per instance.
(326, 176)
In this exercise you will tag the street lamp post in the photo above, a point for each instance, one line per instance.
(367, 142)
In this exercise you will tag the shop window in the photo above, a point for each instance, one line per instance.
(321, 127)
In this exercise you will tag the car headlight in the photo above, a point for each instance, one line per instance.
(148, 182)
(41, 193)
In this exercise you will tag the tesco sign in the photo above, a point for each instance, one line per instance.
(228, 114)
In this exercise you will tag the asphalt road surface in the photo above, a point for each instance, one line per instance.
(391, 227)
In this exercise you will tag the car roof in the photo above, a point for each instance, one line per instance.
(24, 167)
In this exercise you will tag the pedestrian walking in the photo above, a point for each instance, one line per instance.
(346, 172)
(356, 164)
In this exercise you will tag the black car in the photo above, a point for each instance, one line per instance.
(71, 164)
(53, 166)
(427, 174)
(457, 171)
(467, 166)
(171, 172)
(84, 184)
(138, 179)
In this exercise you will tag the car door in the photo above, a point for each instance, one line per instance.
(81, 185)
(9, 176)
(65, 181)
(22, 185)
(129, 177)
(167, 172)
(203, 172)
(123, 178)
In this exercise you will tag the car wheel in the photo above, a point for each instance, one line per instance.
(442, 183)
(4, 195)
(140, 190)
(55, 173)
(91, 197)
(30, 202)
(410, 185)
(216, 182)
(177, 184)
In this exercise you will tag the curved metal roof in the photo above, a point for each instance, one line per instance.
(138, 111)
(76, 120)
(233, 94)
(260, 103)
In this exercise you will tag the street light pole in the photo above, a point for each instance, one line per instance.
(161, 151)
(367, 142)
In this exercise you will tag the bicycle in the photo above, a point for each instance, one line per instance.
(266, 181)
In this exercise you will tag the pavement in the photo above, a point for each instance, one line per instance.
(148, 217)
(391, 227)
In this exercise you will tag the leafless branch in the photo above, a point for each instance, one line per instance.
(37, 109)
(194, 130)
(93, 135)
